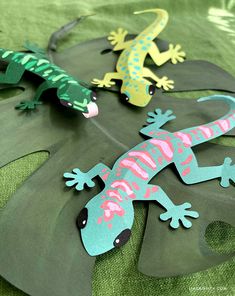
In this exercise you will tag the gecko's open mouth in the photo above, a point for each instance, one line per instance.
(92, 110)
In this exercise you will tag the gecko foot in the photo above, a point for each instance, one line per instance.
(176, 54)
(158, 115)
(228, 172)
(165, 83)
(79, 179)
(28, 105)
(117, 37)
(177, 214)
(103, 83)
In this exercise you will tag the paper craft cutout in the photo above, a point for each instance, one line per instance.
(106, 220)
(70, 91)
(55, 129)
(136, 89)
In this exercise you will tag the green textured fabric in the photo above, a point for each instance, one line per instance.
(201, 38)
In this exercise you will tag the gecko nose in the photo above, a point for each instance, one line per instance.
(92, 110)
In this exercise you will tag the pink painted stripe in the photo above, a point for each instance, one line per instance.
(114, 194)
(105, 176)
(186, 171)
(206, 131)
(110, 209)
(125, 186)
(144, 157)
(185, 138)
(135, 185)
(224, 124)
(165, 147)
(187, 160)
(135, 168)
(147, 193)
(155, 188)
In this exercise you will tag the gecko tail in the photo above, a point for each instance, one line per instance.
(153, 30)
(155, 10)
(206, 132)
(228, 99)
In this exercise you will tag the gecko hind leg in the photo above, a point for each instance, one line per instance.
(187, 166)
(31, 105)
(175, 213)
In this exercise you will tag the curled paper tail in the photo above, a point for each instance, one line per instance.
(153, 30)
(214, 129)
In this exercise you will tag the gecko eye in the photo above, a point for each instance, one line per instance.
(124, 97)
(122, 238)
(66, 103)
(82, 218)
(93, 96)
(152, 89)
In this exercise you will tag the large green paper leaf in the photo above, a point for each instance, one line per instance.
(40, 248)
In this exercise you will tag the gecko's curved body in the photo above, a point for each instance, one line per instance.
(70, 92)
(136, 89)
(107, 218)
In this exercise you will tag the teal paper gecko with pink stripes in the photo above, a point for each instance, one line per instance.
(106, 220)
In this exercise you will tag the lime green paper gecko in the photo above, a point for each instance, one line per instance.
(136, 89)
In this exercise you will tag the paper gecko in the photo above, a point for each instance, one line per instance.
(106, 220)
(130, 66)
(71, 92)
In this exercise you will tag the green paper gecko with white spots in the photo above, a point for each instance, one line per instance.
(71, 92)
(136, 89)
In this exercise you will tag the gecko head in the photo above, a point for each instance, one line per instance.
(80, 98)
(137, 92)
(104, 224)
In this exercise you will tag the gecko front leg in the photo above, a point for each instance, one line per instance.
(106, 81)
(117, 38)
(79, 178)
(163, 82)
(156, 120)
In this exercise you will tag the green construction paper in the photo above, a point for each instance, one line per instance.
(55, 130)
(106, 220)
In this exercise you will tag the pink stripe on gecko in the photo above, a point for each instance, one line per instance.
(165, 147)
(187, 160)
(185, 138)
(186, 171)
(125, 186)
(144, 157)
(114, 194)
(135, 168)
(224, 124)
(110, 209)
(206, 131)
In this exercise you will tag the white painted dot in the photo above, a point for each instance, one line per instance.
(117, 240)
(84, 222)
(69, 104)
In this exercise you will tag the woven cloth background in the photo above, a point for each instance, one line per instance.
(206, 30)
